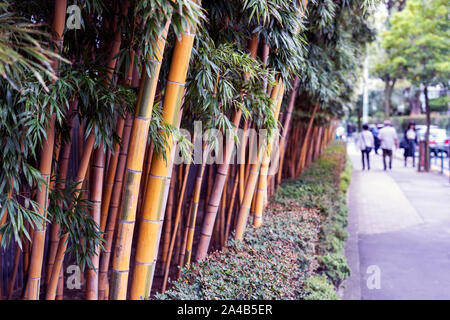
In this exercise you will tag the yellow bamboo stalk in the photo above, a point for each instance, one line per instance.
(159, 179)
(242, 162)
(254, 174)
(261, 192)
(133, 173)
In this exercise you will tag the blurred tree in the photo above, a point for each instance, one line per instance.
(418, 43)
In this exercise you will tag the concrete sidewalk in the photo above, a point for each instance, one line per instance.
(399, 225)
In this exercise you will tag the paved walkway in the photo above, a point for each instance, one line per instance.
(399, 225)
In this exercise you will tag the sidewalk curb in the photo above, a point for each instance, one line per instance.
(351, 287)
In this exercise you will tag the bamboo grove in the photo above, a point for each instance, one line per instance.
(104, 192)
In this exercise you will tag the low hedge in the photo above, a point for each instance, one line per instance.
(296, 254)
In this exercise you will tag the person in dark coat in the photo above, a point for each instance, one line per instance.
(409, 143)
(374, 131)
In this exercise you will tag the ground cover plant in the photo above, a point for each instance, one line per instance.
(297, 254)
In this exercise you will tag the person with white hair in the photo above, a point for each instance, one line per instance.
(389, 140)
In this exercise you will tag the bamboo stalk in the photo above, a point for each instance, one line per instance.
(12, 279)
(158, 182)
(261, 191)
(253, 177)
(219, 181)
(286, 126)
(45, 168)
(62, 176)
(184, 242)
(209, 183)
(231, 208)
(195, 204)
(138, 142)
(62, 245)
(95, 196)
(175, 227)
(242, 162)
(221, 223)
(112, 164)
(113, 209)
(168, 221)
(301, 163)
(110, 175)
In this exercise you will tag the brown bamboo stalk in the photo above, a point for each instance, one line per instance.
(62, 245)
(195, 204)
(112, 165)
(253, 178)
(184, 242)
(12, 279)
(222, 216)
(45, 168)
(62, 176)
(301, 163)
(95, 197)
(222, 171)
(286, 126)
(110, 175)
(175, 227)
(113, 209)
(231, 208)
(168, 220)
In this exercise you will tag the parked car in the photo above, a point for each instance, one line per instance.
(439, 139)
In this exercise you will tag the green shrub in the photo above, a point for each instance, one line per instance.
(271, 263)
(319, 288)
(296, 254)
(334, 265)
(440, 104)
(345, 177)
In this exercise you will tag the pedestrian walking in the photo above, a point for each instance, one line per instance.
(340, 133)
(409, 143)
(389, 140)
(375, 131)
(366, 144)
